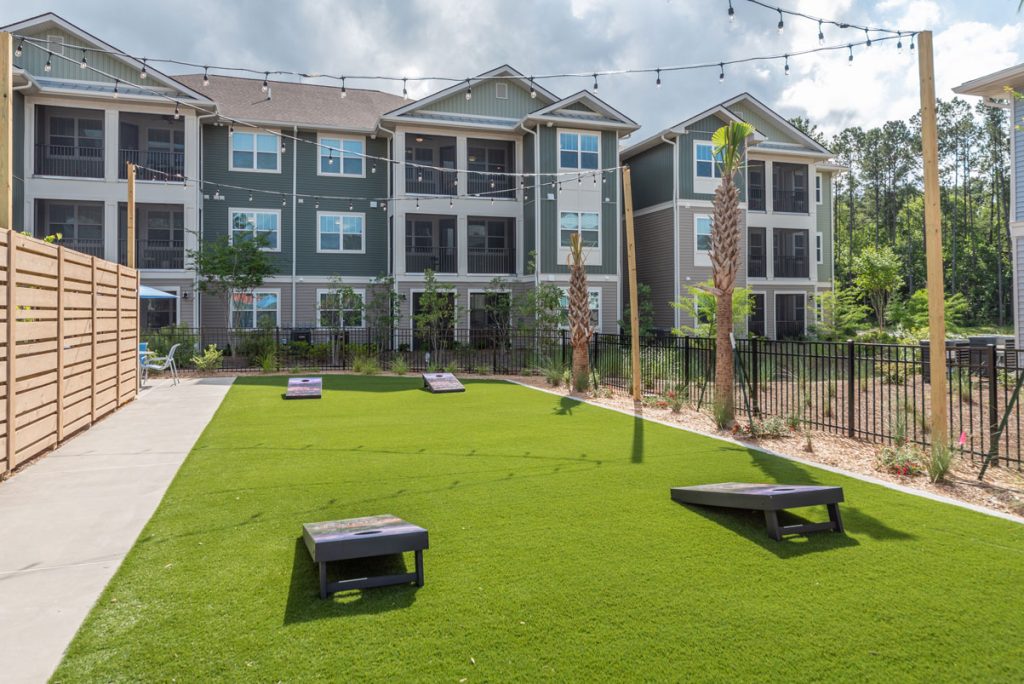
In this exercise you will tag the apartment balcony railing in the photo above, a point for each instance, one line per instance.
(437, 259)
(790, 201)
(154, 254)
(498, 186)
(788, 266)
(69, 161)
(157, 165)
(755, 198)
(430, 181)
(92, 247)
(492, 260)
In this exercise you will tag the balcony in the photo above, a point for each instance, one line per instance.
(437, 259)
(429, 157)
(791, 256)
(790, 201)
(789, 188)
(430, 182)
(156, 165)
(492, 260)
(154, 254)
(755, 186)
(92, 247)
(69, 161)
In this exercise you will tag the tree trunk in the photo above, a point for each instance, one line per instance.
(580, 367)
(723, 358)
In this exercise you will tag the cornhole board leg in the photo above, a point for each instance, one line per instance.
(775, 531)
(328, 588)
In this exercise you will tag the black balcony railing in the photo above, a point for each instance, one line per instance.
(156, 165)
(92, 247)
(790, 201)
(69, 161)
(492, 260)
(437, 259)
(420, 181)
(755, 198)
(498, 186)
(154, 254)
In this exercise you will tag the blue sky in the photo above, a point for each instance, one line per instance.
(460, 38)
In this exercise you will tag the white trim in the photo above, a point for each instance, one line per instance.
(254, 210)
(340, 156)
(320, 291)
(810, 464)
(590, 292)
(499, 88)
(780, 120)
(819, 190)
(701, 258)
(819, 247)
(341, 236)
(579, 133)
(775, 309)
(255, 132)
(258, 291)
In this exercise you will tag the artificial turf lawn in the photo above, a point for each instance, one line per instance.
(555, 553)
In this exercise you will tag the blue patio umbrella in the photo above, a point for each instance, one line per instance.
(147, 292)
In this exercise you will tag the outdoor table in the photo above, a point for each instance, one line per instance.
(768, 498)
(378, 535)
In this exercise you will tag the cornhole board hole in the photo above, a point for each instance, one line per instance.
(377, 535)
(768, 498)
(439, 383)
(304, 388)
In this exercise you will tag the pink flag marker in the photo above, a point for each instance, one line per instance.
(963, 437)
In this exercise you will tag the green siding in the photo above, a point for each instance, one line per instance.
(485, 103)
(33, 59)
(765, 126)
(18, 162)
(530, 204)
(651, 174)
(580, 107)
(308, 261)
(701, 130)
(824, 221)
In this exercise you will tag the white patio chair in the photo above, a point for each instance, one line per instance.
(161, 363)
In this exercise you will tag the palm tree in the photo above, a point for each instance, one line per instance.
(580, 329)
(728, 142)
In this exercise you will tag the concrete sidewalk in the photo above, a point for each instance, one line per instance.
(69, 520)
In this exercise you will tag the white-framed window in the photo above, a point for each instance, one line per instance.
(256, 309)
(595, 307)
(817, 188)
(817, 246)
(702, 240)
(341, 156)
(341, 232)
(819, 311)
(253, 150)
(333, 311)
(248, 223)
(705, 161)
(586, 223)
(501, 91)
(579, 150)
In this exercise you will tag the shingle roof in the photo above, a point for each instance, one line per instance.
(295, 103)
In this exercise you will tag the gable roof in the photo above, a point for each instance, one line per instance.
(778, 119)
(50, 19)
(504, 71)
(591, 110)
(298, 104)
(681, 128)
(992, 86)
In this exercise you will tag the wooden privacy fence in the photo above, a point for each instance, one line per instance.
(69, 347)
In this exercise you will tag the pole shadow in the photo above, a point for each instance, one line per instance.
(638, 433)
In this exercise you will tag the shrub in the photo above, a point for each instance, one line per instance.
(482, 370)
(256, 343)
(938, 462)
(160, 342)
(399, 366)
(892, 372)
(366, 364)
(773, 426)
(905, 460)
(211, 359)
(793, 421)
(553, 372)
(266, 361)
(451, 367)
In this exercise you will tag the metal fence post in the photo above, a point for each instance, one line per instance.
(993, 398)
(563, 347)
(686, 361)
(754, 374)
(851, 390)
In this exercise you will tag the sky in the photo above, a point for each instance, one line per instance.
(460, 38)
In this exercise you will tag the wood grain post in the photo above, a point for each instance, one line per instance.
(117, 346)
(60, 343)
(634, 308)
(933, 242)
(6, 133)
(12, 344)
(92, 339)
(130, 237)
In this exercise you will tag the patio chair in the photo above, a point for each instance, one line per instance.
(160, 363)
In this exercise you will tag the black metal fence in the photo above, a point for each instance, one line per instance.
(867, 391)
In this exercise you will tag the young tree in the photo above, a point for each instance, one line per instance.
(842, 315)
(704, 306)
(728, 143)
(224, 266)
(340, 309)
(879, 273)
(580, 329)
(437, 312)
(646, 309)
(539, 314)
(383, 309)
(498, 309)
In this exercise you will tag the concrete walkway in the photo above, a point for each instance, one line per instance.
(67, 521)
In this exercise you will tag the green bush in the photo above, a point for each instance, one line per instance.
(266, 361)
(773, 426)
(399, 366)
(892, 372)
(211, 359)
(905, 459)
(554, 372)
(366, 364)
(160, 342)
(482, 370)
(938, 462)
(256, 344)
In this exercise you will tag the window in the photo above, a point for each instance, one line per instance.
(247, 224)
(340, 232)
(158, 313)
(491, 159)
(755, 185)
(789, 315)
(757, 253)
(501, 91)
(578, 151)
(790, 250)
(817, 246)
(585, 223)
(817, 188)
(341, 157)
(595, 307)
(755, 321)
(252, 151)
(789, 188)
(336, 309)
(702, 240)
(257, 309)
(706, 161)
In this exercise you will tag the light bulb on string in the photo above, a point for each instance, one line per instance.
(533, 91)
(344, 93)
(821, 34)
(49, 64)
(266, 86)
(83, 64)
(658, 81)
(469, 90)
(143, 74)
(849, 61)
(206, 76)
(316, 202)
(912, 41)
(787, 65)
(732, 13)
(868, 38)
(595, 83)
(405, 90)
(18, 50)
(899, 42)
(177, 111)
(721, 72)
(115, 88)
(250, 197)
(782, 24)
(350, 205)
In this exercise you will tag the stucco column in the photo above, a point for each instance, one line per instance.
(110, 242)
(111, 140)
(461, 240)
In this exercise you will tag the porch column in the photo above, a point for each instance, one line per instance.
(461, 242)
(110, 232)
(111, 141)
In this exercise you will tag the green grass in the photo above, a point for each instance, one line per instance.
(556, 553)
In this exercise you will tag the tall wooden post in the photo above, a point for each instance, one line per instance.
(634, 297)
(130, 237)
(6, 132)
(933, 242)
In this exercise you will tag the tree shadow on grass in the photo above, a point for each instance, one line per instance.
(304, 602)
(566, 405)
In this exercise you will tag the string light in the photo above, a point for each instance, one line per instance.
(533, 91)
(912, 41)
(350, 205)
(469, 91)
(177, 111)
(84, 63)
(143, 74)
(250, 196)
(821, 34)
(344, 93)
(18, 50)
(658, 82)
(849, 61)
(316, 203)
(721, 72)
(115, 88)
(867, 38)
(899, 43)
(732, 13)
(787, 65)
(782, 24)
(405, 91)
(595, 83)
(49, 65)
(206, 76)
(284, 202)
(266, 86)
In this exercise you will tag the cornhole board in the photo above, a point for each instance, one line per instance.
(377, 535)
(768, 498)
(439, 383)
(304, 388)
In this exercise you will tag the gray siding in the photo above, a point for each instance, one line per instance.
(824, 225)
(486, 103)
(1018, 279)
(701, 130)
(654, 264)
(18, 162)
(33, 60)
(530, 204)
(766, 126)
(1018, 162)
(651, 175)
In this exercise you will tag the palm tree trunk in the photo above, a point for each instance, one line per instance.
(723, 357)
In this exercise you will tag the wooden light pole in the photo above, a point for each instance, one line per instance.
(634, 297)
(6, 132)
(130, 237)
(933, 243)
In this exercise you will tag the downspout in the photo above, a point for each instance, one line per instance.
(536, 202)
(676, 256)
(197, 310)
(295, 251)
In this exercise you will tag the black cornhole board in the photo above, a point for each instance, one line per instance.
(304, 388)
(376, 535)
(768, 498)
(439, 383)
